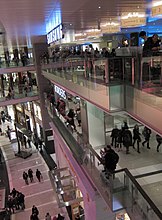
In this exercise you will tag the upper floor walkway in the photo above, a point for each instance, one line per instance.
(114, 84)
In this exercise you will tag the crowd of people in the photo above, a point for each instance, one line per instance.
(125, 137)
(65, 53)
(29, 175)
(16, 201)
(35, 215)
(71, 115)
(109, 159)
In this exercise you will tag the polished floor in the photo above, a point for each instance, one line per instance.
(40, 194)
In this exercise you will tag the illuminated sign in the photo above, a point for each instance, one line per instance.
(110, 29)
(133, 22)
(55, 34)
(157, 10)
(60, 92)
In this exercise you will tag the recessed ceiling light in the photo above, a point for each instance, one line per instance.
(99, 6)
(70, 24)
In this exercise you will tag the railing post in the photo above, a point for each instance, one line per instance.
(107, 71)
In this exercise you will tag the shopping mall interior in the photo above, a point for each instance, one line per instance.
(81, 110)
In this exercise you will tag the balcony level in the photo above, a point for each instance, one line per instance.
(115, 84)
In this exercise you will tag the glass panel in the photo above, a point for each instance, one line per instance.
(116, 97)
(128, 193)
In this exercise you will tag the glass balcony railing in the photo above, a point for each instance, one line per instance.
(142, 73)
(120, 191)
(11, 64)
(17, 92)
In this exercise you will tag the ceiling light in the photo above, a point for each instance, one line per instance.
(70, 24)
(99, 6)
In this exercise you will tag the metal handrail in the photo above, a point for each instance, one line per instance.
(74, 143)
(142, 192)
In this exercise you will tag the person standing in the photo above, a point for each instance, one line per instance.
(60, 217)
(30, 174)
(111, 160)
(159, 141)
(21, 200)
(114, 136)
(38, 175)
(146, 133)
(25, 177)
(136, 137)
(70, 119)
(48, 217)
(127, 139)
(35, 211)
(8, 132)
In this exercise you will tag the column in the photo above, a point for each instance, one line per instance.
(39, 49)
(96, 125)
(84, 121)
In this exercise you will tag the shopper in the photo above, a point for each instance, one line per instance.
(127, 139)
(30, 174)
(159, 141)
(35, 210)
(78, 116)
(111, 160)
(136, 137)
(25, 177)
(114, 136)
(21, 200)
(38, 175)
(120, 139)
(60, 217)
(146, 133)
(48, 217)
(70, 119)
(8, 131)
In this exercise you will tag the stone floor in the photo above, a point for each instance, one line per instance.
(40, 194)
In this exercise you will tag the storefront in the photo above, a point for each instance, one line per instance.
(38, 119)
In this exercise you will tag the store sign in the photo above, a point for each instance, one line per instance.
(55, 34)
(60, 92)
(110, 29)
(133, 22)
(157, 10)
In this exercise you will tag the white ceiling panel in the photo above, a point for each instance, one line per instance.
(23, 19)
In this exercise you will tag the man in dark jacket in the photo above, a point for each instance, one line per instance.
(111, 160)
(127, 139)
(114, 136)
(159, 140)
(146, 133)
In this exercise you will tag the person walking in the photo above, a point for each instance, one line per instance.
(111, 160)
(114, 136)
(21, 200)
(8, 132)
(136, 137)
(146, 133)
(127, 139)
(60, 217)
(70, 119)
(25, 177)
(35, 213)
(48, 217)
(38, 175)
(30, 174)
(159, 141)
